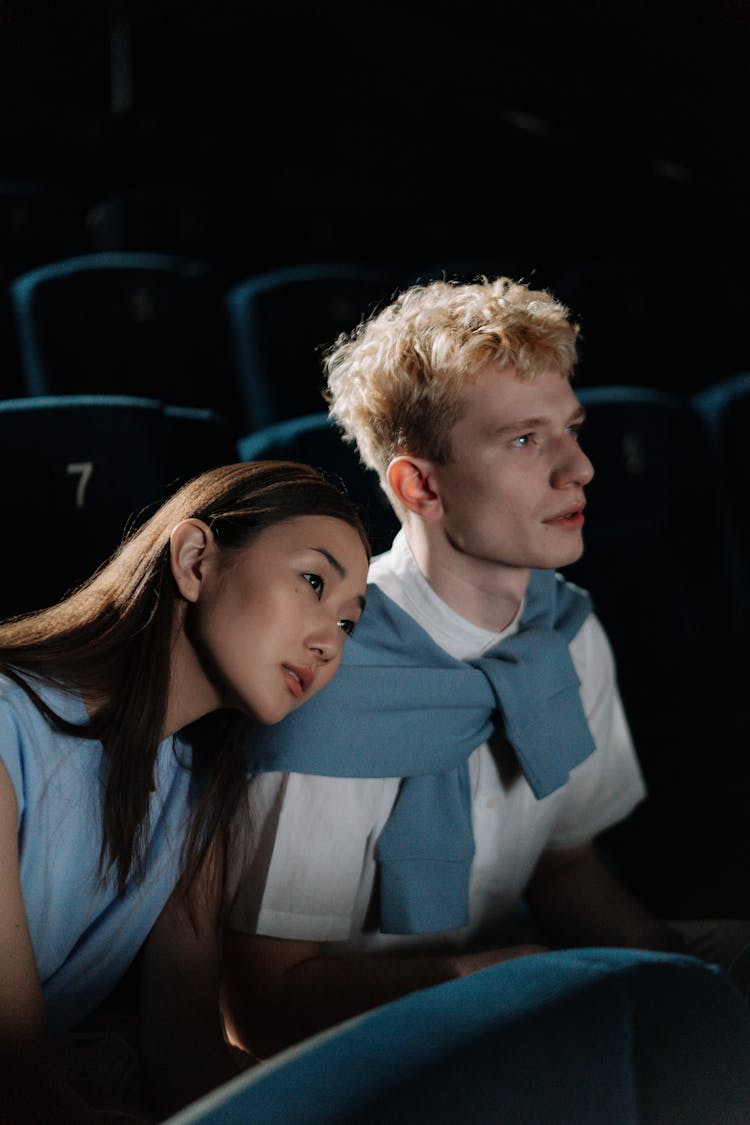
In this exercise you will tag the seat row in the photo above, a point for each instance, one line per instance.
(670, 498)
(169, 328)
(667, 560)
(172, 328)
(670, 495)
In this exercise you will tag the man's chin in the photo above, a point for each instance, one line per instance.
(566, 558)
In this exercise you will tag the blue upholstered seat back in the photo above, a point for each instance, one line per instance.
(282, 319)
(126, 323)
(78, 469)
(315, 440)
(579, 1037)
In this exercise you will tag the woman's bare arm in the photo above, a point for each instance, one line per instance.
(278, 991)
(185, 1051)
(32, 1088)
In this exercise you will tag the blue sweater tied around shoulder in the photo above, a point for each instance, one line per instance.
(400, 706)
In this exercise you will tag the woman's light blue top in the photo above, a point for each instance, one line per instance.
(84, 933)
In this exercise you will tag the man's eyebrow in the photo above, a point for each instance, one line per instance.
(522, 424)
(341, 570)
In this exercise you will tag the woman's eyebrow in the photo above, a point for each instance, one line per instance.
(331, 559)
(341, 570)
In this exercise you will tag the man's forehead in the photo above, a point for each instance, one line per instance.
(498, 400)
(510, 372)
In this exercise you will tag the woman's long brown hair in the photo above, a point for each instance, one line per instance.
(111, 640)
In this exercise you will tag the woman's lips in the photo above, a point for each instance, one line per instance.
(298, 679)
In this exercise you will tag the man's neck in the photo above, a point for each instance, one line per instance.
(484, 593)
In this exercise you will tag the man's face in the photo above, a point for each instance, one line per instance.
(512, 493)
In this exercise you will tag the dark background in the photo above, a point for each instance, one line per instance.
(548, 138)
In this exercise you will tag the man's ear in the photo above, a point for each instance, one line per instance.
(412, 482)
(191, 544)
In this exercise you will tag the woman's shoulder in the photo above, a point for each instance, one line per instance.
(16, 706)
(20, 732)
(17, 699)
(27, 733)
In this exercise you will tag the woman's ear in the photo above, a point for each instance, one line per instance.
(191, 545)
(412, 482)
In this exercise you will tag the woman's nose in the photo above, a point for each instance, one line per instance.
(323, 641)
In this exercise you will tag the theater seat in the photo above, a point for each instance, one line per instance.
(578, 1037)
(656, 563)
(654, 544)
(283, 318)
(77, 470)
(315, 440)
(152, 325)
(725, 408)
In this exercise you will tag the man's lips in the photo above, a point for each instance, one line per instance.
(298, 678)
(572, 519)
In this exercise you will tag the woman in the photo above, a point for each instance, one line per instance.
(122, 764)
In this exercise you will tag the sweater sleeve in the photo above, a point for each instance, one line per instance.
(607, 786)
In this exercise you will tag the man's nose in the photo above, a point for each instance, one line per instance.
(574, 467)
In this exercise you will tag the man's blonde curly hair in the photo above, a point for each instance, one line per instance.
(395, 384)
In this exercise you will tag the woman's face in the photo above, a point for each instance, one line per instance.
(271, 620)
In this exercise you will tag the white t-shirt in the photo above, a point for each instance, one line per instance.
(310, 864)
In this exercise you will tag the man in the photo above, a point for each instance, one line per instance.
(391, 848)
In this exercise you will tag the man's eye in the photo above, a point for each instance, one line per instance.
(347, 626)
(317, 583)
(575, 430)
(522, 440)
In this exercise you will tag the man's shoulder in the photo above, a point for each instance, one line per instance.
(380, 564)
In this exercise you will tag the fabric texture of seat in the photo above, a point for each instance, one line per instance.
(640, 560)
(725, 408)
(281, 319)
(657, 565)
(150, 325)
(586, 1036)
(315, 440)
(78, 470)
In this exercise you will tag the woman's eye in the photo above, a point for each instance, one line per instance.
(522, 440)
(576, 430)
(347, 626)
(317, 583)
